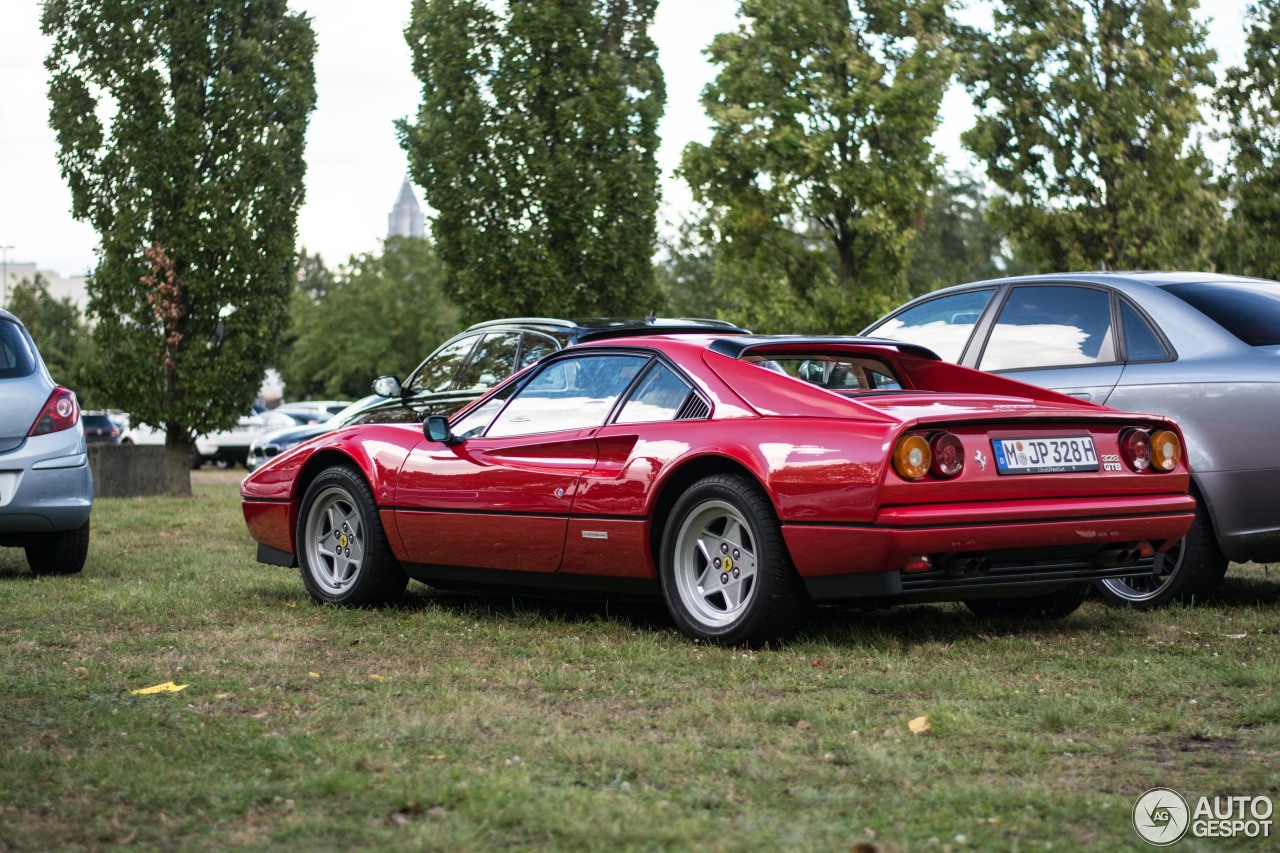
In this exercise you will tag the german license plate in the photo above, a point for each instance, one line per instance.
(1050, 455)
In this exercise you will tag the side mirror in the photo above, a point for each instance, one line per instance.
(436, 428)
(387, 386)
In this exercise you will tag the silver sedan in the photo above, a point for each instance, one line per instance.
(1200, 347)
(46, 489)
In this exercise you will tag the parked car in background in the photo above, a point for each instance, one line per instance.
(737, 478)
(46, 487)
(470, 363)
(1201, 348)
(231, 447)
(100, 428)
(273, 442)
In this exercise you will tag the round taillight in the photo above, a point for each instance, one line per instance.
(912, 457)
(1135, 447)
(1166, 450)
(948, 455)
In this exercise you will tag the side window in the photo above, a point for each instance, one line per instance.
(493, 361)
(1141, 343)
(474, 422)
(659, 397)
(944, 325)
(535, 348)
(437, 372)
(1051, 326)
(572, 393)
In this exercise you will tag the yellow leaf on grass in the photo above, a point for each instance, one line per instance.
(313, 675)
(376, 677)
(167, 687)
(919, 725)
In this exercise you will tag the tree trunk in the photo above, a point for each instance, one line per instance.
(177, 466)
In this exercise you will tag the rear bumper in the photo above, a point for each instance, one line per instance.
(1013, 547)
(46, 485)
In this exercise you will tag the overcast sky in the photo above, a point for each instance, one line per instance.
(364, 82)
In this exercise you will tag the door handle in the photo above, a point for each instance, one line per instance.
(1081, 395)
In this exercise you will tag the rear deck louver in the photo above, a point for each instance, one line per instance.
(694, 408)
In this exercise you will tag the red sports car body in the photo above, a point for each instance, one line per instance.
(740, 478)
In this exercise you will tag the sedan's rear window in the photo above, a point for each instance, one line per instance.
(1248, 310)
(16, 357)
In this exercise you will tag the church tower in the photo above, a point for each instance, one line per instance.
(406, 219)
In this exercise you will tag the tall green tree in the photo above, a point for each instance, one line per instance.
(820, 162)
(1250, 99)
(181, 128)
(956, 242)
(59, 331)
(1089, 114)
(536, 143)
(381, 313)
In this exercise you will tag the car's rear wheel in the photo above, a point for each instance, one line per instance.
(61, 553)
(1051, 605)
(726, 575)
(1192, 569)
(342, 549)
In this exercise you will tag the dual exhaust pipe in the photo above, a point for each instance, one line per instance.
(972, 565)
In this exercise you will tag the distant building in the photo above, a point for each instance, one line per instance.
(60, 286)
(406, 219)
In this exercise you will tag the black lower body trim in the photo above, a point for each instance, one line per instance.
(545, 584)
(276, 557)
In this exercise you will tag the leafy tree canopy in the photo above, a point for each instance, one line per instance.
(1250, 99)
(1088, 115)
(381, 313)
(820, 162)
(536, 144)
(181, 128)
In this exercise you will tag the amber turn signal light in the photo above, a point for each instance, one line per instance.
(1166, 450)
(912, 457)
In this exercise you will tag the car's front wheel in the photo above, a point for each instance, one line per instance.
(726, 575)
(61, 553)
(1192, 569)
(342, 549)
(1050, 605)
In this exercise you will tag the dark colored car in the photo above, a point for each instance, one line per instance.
(470, 363)
(738, 479)
(100, 428)
(1201, 348)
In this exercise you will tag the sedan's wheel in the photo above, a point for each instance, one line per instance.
(1192, 569)
(726, 574)
(61, 553)
(1052, 605)
(342, 549)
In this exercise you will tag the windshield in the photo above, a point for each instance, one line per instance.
(355, 408)
(1250, 310)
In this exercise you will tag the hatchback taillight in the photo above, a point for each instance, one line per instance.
(60, 412)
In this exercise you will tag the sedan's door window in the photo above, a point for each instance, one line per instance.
(571, 393)
(1051, 326)
(436, 373)
(944, 325)
(493, 361)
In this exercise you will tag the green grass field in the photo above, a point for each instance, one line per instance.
(479, 722)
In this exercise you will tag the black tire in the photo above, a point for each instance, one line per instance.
(338, 516)
(1052, 605)
(1193, 569)
(724, 524)
(61, 553)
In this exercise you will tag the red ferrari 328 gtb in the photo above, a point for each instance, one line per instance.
(740, 478)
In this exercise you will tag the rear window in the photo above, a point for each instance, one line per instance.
(16, 356)
(833, 372)
(1248, 310)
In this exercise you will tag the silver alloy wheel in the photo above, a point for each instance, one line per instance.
(715, 563)
(1137, 590)
(335, 540)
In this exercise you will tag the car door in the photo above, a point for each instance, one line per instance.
(1056, 335)
(501, 498)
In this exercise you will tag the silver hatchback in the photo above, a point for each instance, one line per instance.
(46, 489)
(1202, 348)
